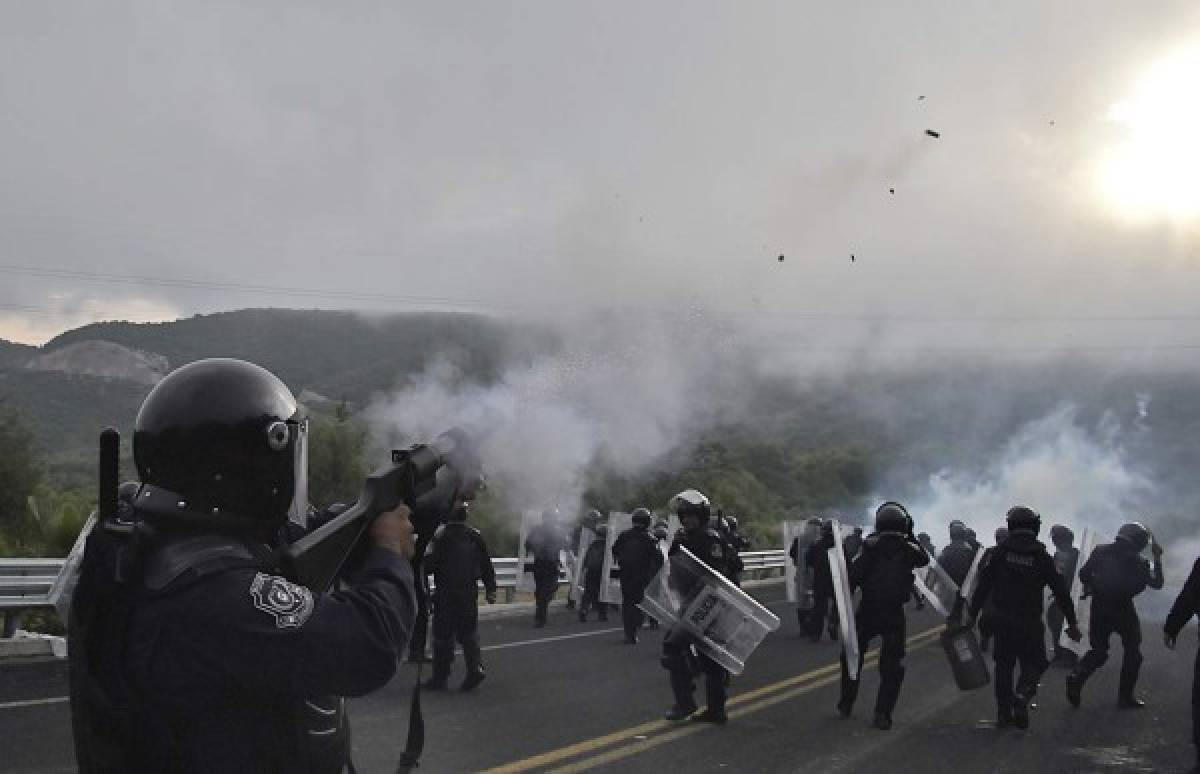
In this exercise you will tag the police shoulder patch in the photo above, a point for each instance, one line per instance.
(290, 604)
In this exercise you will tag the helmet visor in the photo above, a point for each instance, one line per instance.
(298, 510)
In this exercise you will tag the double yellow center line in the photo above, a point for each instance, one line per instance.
(637, 739)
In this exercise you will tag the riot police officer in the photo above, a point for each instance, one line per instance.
(1113, 575)
(1186, 606)
(679, 657)
(727, 528)
(593, 575)
(544, 542)
(636, 552)
(824, 610)
(957, 556)
(188, 652)
(883, 569)
(1066, 559)
(1014, 579)
(458, 559)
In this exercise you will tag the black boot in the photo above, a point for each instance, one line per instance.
(1131, 665)
(474, 663)
(685, 704)
(883, 721)
(1075, 682)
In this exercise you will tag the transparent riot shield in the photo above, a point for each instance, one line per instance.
(575, 592)
(63, 588)
(525, 581)
(940, 585)
(797, 574)
(845, 601)
(1083, 607)
(930, 598)
(972, 579)
(727, 623)
(610, 587)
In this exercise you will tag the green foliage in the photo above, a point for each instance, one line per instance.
(336, 457)
(21, 473)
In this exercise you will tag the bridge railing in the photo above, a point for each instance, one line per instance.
(25, 583)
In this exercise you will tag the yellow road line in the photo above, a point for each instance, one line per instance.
(641, 745)
(828, 672)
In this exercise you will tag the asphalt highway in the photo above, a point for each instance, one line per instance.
(572, 697)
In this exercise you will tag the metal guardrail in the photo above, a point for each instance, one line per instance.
(25, 583)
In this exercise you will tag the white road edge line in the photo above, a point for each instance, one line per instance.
(504, 645)
(33, 702)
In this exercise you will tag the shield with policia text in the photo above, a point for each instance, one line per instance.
(610, 588)
(525, 582)
(845, 601)
(727, 623)
(1083, 607)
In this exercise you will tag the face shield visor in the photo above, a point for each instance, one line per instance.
(298, 510)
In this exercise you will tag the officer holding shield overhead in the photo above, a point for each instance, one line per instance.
(694, 512)
(883, 570)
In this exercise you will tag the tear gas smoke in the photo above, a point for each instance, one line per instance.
(619, 394)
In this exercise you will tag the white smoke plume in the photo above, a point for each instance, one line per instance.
(618, 393)
(1070, 473)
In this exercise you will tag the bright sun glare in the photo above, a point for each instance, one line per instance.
(1153, 171)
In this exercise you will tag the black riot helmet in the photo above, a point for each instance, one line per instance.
(220, 444)
(641, 518)
(958, 530)
(1136, 534)
(891, 517)
(1023, 518)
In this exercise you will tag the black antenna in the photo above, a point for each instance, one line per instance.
(110, 446)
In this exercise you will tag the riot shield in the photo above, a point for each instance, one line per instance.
(575, 591)
(940, 585)
(1083, 607)
(610, 587)
(845, 601)
(63, 588)
(797, 574)
(525, 581)
(726, 622)
(972, 579)
(930, 598)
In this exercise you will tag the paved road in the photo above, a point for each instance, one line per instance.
(573, 697)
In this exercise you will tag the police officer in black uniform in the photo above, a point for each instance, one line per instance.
(679, 657)
(727, 528)
(824, 612)
(1112, 576)
(883, 569)
(544, 542)
(957, 556)
(1186, 607)
(636, 552)
(1014, 578)
(188, 652)
(593, 575)
(458, 558)
(1066, 560)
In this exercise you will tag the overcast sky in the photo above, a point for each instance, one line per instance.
(507, 157)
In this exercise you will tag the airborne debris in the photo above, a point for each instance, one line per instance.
(851, 257)
(781, 257)
(920, 98)
(933, 134)
(892, 191)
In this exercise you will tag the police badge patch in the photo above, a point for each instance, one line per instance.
(290, 604)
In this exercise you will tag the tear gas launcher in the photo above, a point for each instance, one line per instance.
(428, 478)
